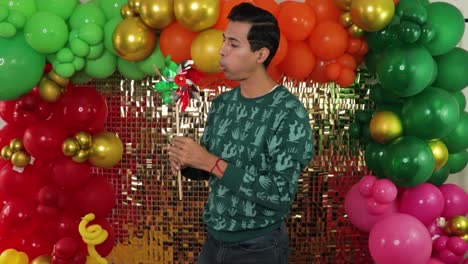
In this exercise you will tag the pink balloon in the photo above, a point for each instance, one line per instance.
(434, 229)
(424, 202)
(448, 257)
(457, 245)
(384, 191)
(365, 185)
(358, 214)
(434, 261)
(400, 238)
(455, 200)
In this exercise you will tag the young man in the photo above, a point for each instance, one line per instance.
(256, 142)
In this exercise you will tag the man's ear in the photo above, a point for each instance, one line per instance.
(263, 54)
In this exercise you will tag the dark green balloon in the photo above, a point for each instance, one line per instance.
(439, 176)
(457, 161)
(405, 70)
(449, 26)
(431, 114)
(457, 139)
(381, 39)
(395, 108)
(410, 32)
(453, 70)
(461, 100)
(408, 161)
(363, 116)
(373, 155)
(371, 60)
(355, 130)
(381, 96)
(411, 10)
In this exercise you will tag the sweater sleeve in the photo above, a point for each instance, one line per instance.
(290, 150)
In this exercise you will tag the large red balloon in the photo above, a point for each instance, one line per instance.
(296, 20)
(44, 140)
(70, 174)
(14, 183)
(18, 218)
(97, 196)
(328, 40)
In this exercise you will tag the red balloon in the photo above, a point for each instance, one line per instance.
(18, 218)
(226, 7)
(346, 77)
(36, 244)
(319, 72)
(328, 40)
(14, 183)
(83, 109)
(269, 5)
(97, 196)
(296, 20)
(68, 251)
(70, 174)
(281, 51)
(6, 110)
(30, 108)
(67, 224)
(9, 132)
(175, 40)
(333, 70)
(299, 61)
(44, 140)
(324, 9)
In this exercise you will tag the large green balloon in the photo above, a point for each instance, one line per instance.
(108, 31)
(111, 8)
(373, 156)
(457, 161)
(408, 161)
(431, 114)
(439, 176)
(87, 14)
(21, 67)
(62, 8)
(27, 7)
(453, 70)
(457, 140)
(46, 32)
(156, 58)
(405, 70)
(102, 67)
(461, 100)
(129, 69)
(448, 23)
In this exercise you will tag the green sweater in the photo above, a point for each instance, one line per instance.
(267, 142)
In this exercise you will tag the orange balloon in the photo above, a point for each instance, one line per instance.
(226, 7)
(213, 80)
(269, 5)
(354, 45)
(281, 51)
(333, 70)
(299, 61)
(176, 40)
(275, 73)
(324, 9)
(319, 72)
(296, 20)
(346, 77)
(347, 61)
(328, 40)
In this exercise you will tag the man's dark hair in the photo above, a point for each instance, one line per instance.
(264, 31)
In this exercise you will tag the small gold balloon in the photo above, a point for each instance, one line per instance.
(20, 159)
(70, 147)
(6, 152)
(372, 15)
(126, 11)
(133, 40)
(465, 237)
(355, 31)
(204, 50)
(44, 259)
(343, 4)
(458, 226)
(106, 150)
(49, 90)
(16, 144)
(345, 19)
(385, 126)
(157, 14)
(61, 81)
(84, 139)
(439, 151)
(135, 5)
(81, 156)
(196, 15)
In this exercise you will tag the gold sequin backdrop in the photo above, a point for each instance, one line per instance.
(154, 226)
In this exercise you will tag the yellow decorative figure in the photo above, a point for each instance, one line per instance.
(372, 15)
(440, 153)
(133, 40)
(197, 15)
(157, 14)
(385, 126)
(92, 235)
(205, 50)
(11, 256)
(106, 150)
(44, 259)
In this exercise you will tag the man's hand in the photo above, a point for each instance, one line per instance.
(185, 152)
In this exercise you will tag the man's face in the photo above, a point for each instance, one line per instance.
(237, 60)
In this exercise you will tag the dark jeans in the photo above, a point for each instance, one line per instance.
(272, 248)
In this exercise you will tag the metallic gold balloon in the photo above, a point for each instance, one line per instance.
(20, 159)
(6, 152)
(49, 90)
(204, 50)
(84, 139)
(385, 126)
(44, 259)
(355, 31)
(440, 153)
(465, 237)
(197, 15)
(70, 147)
(135, 5)
(16, 144)
(106, 150)
(81, 156)
(61, 81)
(126, 11)
(345, 19)
(458, 226)
(343, 4)
(157, 14)
(372, 15)
(133, 40)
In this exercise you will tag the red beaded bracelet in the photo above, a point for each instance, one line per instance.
(216, 166)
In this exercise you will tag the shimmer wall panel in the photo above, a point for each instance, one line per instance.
(153, 226)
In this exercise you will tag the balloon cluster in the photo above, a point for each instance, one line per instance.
(16, 153)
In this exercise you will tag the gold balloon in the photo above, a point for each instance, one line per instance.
(157, 14)
(133, 40)
(20, 159)
(70, 147)
(16, 144)
(135, 5)
(355, 31)
(439, 151)
(197, 15)
(61, 81)
(343, 4)
(204, 50)
(458, 226)
(465, 237)
(84, 139)
(126, 11)
(81, 156)
(345, 19)
(385, 126)
(44, 259)
(49, 91)
(372, 15)
(106, 150)
(6, 153)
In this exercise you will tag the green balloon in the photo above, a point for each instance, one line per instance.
(87, 14)
(4, 11)
(365, 133)
(78, 63)
(156, 58)
(129, 69)
(108, 31)
(17, 19)
(373, 155)
(91, 33)
(80, 77)
(66, 69)
(371, 60)
(355, 130)
(111, 8)
(439, 176)
(21, 68)
(431, 114)
(363, 116)
(457, 161)
(457, 139)
(381, 39)
(410, 32)
(95, 51)
(102, 67)
(461, 100)
(453, 70)
(79, 47)
(27, 7)
(65, 55)
(448, 23)
(411, 10)
(62, 8)
(408, 161)
(381, 96)
(395, 108)
(7, 30)
(46, 32)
